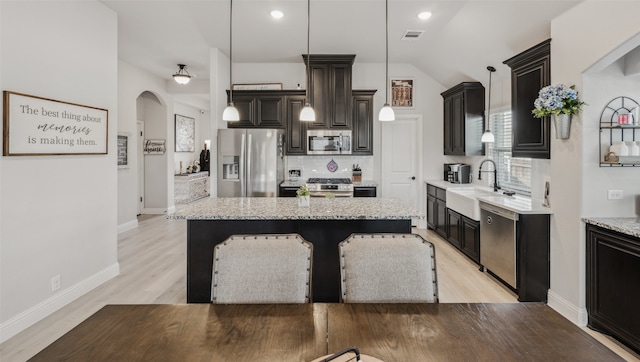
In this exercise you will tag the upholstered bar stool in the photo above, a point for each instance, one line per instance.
(388, 268)
(264, 268)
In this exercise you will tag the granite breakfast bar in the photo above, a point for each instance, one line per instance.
(325, 223)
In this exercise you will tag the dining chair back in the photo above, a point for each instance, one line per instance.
(388, 268)
(273, 268)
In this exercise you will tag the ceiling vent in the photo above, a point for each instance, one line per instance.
(412, 34)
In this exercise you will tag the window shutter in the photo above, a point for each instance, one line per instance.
(513, 173)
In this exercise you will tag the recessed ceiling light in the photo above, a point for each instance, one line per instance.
(277, 14)
(424, 15)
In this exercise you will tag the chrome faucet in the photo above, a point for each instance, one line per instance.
(495, 173)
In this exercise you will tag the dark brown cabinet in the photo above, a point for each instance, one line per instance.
(533, 257)
(464, 119)
(330, 90)
(260, 109)
(287, 191)
(613, 276)
(454, 228)
(365, 191)
(295, 137)
(530, 71)
(459, 230)
(362, 134)
(470, 243)
(437, 210)
(464, 234)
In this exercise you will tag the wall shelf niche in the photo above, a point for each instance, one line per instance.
(611, 131)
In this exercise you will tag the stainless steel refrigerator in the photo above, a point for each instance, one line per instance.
(250, 162)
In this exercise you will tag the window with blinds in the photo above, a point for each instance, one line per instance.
(513, 173)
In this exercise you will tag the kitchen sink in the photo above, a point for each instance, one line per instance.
(465, 201)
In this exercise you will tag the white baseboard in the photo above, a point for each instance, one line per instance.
(573, 313)
(128, 226)
(171, 210)
(47, 307)
(154, 211)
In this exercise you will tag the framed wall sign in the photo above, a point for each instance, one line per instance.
(257, 86)
(154, 147)
(123, 150)
(402, 89)
(185, 134)
(40, 126)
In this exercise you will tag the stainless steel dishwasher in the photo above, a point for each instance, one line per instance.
(498, 242)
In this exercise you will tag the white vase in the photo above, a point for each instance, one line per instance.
(303, 201)
(619, 148)
(634, 148)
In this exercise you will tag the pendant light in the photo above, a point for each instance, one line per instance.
(487, 136)
(308, 114)
(386, 113)
(230, 113)
(182, 76)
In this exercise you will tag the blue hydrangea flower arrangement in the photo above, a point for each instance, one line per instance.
(557, 99)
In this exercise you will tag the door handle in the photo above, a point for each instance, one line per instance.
(413, 177)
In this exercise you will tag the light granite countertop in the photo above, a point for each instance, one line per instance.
(286, 208)
(625, 225)
(517, 203)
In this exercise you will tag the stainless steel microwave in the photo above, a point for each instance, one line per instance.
(328, 142)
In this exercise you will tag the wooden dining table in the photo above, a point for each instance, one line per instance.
(304, 332)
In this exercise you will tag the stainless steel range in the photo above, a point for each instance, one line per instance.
(321, 187)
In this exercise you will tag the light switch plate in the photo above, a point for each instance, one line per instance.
(615, 195)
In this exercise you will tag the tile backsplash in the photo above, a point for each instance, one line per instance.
(317, 166)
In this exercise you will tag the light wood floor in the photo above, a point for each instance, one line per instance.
(152, 270)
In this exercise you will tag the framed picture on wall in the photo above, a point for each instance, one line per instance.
(185, 134)
(41, 126)
(154, 147)
(123, 150)
(402, 92)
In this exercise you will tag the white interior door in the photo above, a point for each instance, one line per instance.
(402, 160)
(140, 136)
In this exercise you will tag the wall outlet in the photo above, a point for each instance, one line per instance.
(615, 194)
(55, 283)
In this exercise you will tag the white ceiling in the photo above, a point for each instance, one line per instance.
(460, 39)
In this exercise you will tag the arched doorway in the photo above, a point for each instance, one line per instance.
(151, 117)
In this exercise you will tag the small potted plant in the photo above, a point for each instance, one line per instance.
(303, 196)
(560, 102)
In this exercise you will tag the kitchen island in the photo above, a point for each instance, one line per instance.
(325, 223)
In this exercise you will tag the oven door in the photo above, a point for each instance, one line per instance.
(326, 142)
(334, 193)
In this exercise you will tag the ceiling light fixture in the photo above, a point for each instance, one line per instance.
(424, 15)
(386, 113)
(487, 136)
(308, 114)
(182, 76)
(230, 113)
(277, 14)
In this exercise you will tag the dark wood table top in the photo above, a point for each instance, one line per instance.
(303, 332)
(195, 332)
(462, 332)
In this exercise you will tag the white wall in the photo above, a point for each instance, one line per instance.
(58, 212)
(577, 45)
(132, 82)
(202, 129)
(601, 88)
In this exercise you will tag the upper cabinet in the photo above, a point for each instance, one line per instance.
(261, 109)
(464, 119)
(363, 122)
(330, 90)
(296, 137)
(530, 71)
